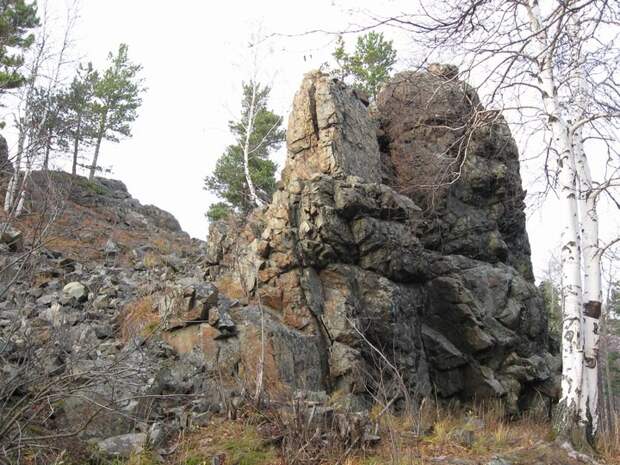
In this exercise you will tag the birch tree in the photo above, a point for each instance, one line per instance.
(36, 102)
(244, 176)
(552, 68)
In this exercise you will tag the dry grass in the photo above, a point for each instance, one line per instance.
(437, 434)
(608, 444)
(152, 260)
(139, 318)
(238, 441)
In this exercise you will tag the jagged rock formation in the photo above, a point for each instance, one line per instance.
(460, 163)
(348, 283)
(444, 293)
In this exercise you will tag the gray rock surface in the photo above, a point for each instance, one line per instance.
(446, 294)
(329, 132)
(123, 446)
(75, 290)
(459, 162)
(12, 238)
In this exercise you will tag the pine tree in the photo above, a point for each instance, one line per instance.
(78, 116)
(46, 121)
(17, 18)
(117, 99)
(370, 64)
(257, 132)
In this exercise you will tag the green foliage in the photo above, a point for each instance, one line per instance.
(370, 64)
(219, 211)
(17, 18)
(117, 96)
(228, 179)
(45, 117)
(196, 460)
(613, 328)
(77, 105)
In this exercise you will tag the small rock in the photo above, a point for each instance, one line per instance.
(498, 461)
(124, 445)
(103, 331)
(111, 248)
(76, 290)
(12, 237)
(46, 299)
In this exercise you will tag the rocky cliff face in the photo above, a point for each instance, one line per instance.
(359, 256)
(357, 280)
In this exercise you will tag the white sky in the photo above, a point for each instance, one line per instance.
(195, 55)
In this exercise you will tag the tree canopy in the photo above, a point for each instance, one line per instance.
(17, 18)
(228, 180)
(370, 65)
(117, 97)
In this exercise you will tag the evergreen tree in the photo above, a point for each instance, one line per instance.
(78, 115)
(370, 64)
(117, 95)
(46, 122)
(17, 18)
(228, 180)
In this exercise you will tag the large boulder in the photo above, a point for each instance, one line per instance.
(459, 162)
(443, 294)
(329, 132)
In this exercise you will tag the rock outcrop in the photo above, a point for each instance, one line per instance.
(352, 282)
(352, 249)
(459, 162)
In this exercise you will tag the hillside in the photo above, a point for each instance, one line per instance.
(355, 319)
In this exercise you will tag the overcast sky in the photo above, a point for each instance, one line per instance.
(195, 55)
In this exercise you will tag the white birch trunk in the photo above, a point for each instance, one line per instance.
(22, 195)
(10, 192)
(592, 293)
(572, 325)
(591, 287)
(249, 127)
(12, 189)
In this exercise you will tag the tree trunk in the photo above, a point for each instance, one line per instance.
(48, 147)
(76, 145)
(100, 133)
(591, 260)
(12, 189)
(591, 289)
(22, 195)
(567, 418)
(10, 192)
(246, 148)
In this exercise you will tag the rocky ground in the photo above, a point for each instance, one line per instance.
(353, 319)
